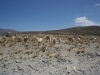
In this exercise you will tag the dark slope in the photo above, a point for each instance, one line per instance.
(86, 30)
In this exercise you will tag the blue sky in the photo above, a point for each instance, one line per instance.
(41, 15)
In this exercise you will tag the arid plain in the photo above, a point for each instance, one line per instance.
(50, 55)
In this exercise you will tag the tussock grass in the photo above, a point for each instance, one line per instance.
(97, 47)
(35, 55)
(79, 51)
(90, 54)
(17, 51)
(43, 49)
(48, 53)
(1, 53)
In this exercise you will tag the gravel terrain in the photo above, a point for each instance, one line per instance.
(27, 58)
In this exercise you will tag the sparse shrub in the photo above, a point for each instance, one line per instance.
(35, 55)
(1, 53)
(27, 47)
(48, 53)
(51, 44)
(57, 48)
(24, 58)
(82, 51)
(37, 51)
(11, 44)
(20, 57)
(86, 43)
(57, 55)
(90, 54)
(17, 51)
(43, 48)
(4, 44)
(97, 46)
(69, 43)
(93, 41)
(28, 52)
(1, 59)
(66, 42)
(19, 40)
(97, 53)
(36, 47)
(75, 44)
(80, 47)
(69, 49)
(83, 47)
(79, 51)
(81, 42)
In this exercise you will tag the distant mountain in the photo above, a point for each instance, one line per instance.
(7, 30)
(86, 30)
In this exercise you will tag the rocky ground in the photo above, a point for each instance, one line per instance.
(60, 59)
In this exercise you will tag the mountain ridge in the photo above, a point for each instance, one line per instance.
(7, 30)
(87, 30)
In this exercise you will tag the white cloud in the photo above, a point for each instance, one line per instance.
(97, 4)
(83, 21)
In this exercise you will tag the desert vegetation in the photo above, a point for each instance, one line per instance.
(54, 51)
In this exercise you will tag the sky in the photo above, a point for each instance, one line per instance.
(41, 15)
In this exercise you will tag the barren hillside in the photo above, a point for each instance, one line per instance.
(87, 30)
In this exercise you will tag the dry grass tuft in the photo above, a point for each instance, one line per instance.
(3, 44)
(1, 53)
(28, 52)
(79, 51)
(90, 54)
(17, 51)
(75, 44)
(69, 49)
(11, 44)
(1, 58)
(57, 55)
(49, 54)
(97, 47)
(57, 48)
(20, 57)
(27, 47)
(35, 55)
(43, 48)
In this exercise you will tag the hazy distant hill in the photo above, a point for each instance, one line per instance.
(7, 30)
(87, 30)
